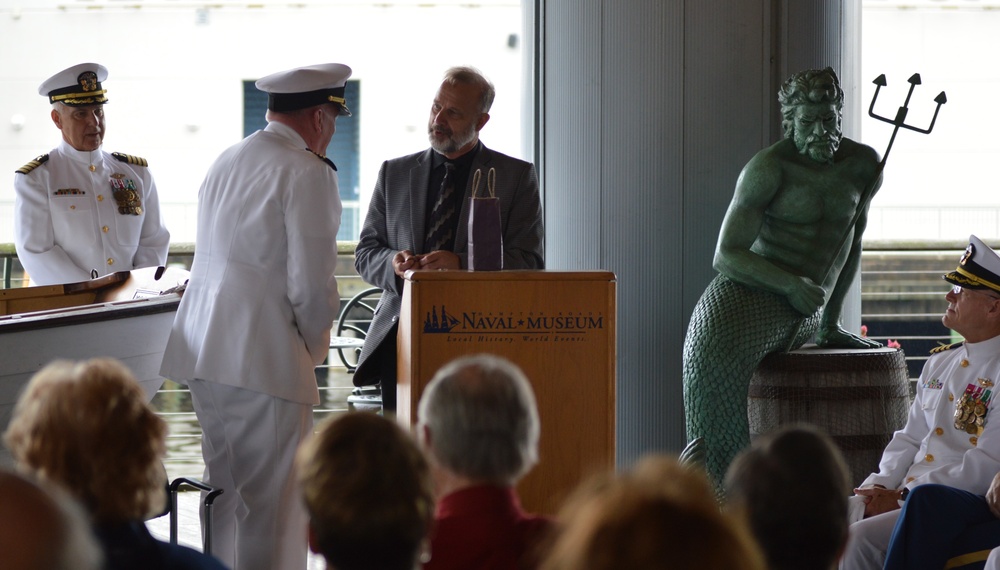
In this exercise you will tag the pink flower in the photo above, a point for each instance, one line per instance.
(893, 344)
(864, 330)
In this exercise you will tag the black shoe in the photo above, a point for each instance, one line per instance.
(366, 398)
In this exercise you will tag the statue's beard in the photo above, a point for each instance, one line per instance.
(819, 148)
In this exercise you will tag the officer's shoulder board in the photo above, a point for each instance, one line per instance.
(33, 164)
(324, 159)
(945, 347)
(130, 159)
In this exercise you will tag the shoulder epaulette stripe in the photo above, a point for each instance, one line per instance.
(38, 161)
(324, 159)
(134, 160)
(945, 347)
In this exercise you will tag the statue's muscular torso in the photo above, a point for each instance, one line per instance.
(788, 218)
(812, 207)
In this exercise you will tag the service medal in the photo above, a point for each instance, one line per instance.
(972, 408)
(126, 195)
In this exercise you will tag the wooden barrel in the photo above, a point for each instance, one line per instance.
(859, 397)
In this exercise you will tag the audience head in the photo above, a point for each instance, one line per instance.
(42, 530)
(86, 427)
(368, 491)
(661, 515)
(478, 419)
(792, 487)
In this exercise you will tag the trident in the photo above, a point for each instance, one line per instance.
(898, 122)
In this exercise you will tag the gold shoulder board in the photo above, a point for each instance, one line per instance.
(324, 159)
(945, 347)
(38, 161)
(134, 160)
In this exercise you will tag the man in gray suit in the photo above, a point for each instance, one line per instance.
(418, 217)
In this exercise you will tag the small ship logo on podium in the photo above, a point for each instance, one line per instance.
(433, 323)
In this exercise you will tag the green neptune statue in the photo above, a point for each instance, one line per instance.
(788, 249)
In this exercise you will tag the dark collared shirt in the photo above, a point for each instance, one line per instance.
(463, 166)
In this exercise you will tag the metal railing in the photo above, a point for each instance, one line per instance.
(902, 294)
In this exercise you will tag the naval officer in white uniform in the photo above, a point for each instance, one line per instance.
(951, 436)
(81, 212)
(255, 318)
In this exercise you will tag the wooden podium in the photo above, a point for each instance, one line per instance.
(559, 327)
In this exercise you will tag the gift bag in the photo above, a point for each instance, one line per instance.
(485, 235)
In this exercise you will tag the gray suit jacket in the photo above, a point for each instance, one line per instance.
(396, 219)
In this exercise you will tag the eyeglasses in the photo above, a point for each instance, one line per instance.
(957, 290)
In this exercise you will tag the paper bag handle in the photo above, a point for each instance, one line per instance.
(491, 182)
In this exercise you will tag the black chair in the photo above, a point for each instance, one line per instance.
(348, 337)
(352, 326)
(210, 497)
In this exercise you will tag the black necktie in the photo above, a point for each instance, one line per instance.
(441, 222)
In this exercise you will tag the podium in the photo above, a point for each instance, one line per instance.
(558, 327)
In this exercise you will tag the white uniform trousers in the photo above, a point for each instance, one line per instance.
(993, 562)
(250, 438)
(868, 542)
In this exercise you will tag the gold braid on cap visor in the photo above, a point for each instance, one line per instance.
(78, 98)
(971, 279)
(340, 100)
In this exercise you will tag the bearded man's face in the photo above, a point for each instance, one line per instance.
(816, 130)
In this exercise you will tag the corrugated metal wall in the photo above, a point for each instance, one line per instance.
(649, 109)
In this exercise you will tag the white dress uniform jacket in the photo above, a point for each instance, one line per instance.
(262, 295)
(67, 221)
(929, 448)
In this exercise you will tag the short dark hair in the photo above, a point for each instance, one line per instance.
(792, 487)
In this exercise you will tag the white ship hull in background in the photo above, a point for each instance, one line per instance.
(126, 315)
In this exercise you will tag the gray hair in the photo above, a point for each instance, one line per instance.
(472, 76)
(483, 420)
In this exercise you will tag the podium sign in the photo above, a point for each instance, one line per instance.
(558, 327)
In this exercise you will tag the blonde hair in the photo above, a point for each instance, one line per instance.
(86, 427)
(662, 515)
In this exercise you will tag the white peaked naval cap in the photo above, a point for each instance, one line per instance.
(308, 86)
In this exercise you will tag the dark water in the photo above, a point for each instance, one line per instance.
(173, 403)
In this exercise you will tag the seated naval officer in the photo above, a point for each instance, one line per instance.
(81, 212)
(950, 437)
